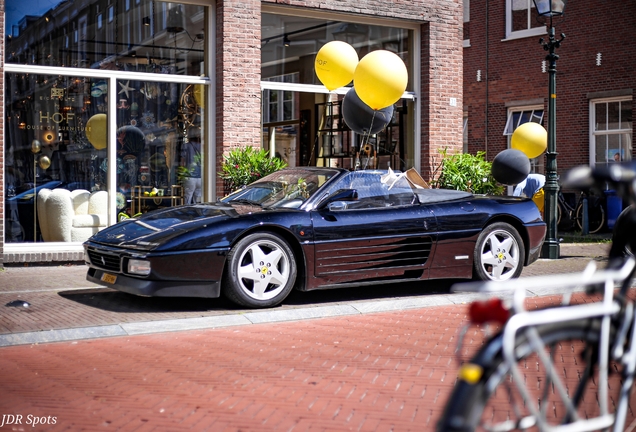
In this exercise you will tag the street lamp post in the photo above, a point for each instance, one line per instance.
(548, 9)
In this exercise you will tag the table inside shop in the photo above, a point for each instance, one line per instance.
(173, 193)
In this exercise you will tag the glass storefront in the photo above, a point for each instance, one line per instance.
(302, 122)
(84, 149)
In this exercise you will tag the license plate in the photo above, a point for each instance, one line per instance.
(109, 278)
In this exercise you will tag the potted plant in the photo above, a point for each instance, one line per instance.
(467, 172)
(244, 165)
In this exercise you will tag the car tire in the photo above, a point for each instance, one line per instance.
(499, 253)
(261, 271)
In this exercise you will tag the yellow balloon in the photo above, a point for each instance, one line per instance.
(36, 146)
(44, 162)
(96, 131)
(380, 79)
(199, 95)
(531, 138)
(335, 63)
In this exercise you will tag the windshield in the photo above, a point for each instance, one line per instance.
(288, 188)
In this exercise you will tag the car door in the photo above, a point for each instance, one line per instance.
(384, 235)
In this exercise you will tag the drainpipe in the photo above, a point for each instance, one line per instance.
(487, 83)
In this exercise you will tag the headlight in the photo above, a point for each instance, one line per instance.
(139, 267)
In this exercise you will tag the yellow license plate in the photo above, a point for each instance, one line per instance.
(109, 278)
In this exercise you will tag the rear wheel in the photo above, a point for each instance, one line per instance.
(499, 253)
(595, 215)
(494, 402)
(261, 271)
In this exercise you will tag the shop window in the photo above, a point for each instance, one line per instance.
(46, 149)
(56, 124)
(518, 116)
(289, 43)
(160, 146)
(612, 128)
(56, 143)
(175, 44)
(521, 19)
(315, 134)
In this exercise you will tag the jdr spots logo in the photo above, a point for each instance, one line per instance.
(30, 420)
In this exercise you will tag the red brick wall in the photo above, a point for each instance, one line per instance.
(238, 77)
(513, 70)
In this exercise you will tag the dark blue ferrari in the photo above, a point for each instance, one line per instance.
(315, 228)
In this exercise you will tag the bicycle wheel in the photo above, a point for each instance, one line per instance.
(595, 216)
(494, 402)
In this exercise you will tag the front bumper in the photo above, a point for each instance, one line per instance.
(154, 288)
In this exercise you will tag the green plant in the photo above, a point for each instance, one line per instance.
(464, 171)
(244, 165)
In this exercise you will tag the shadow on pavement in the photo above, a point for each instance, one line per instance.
(114, 301)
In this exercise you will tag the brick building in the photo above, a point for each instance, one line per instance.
(506, 82)
(102, 95)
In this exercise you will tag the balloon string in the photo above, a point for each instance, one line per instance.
(367, 136)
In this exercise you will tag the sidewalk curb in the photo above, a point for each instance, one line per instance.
(247, 318)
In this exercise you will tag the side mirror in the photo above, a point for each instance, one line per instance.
(339, 195)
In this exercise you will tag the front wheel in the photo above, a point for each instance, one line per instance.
(493, 400)
(261, 271)
(499, 253)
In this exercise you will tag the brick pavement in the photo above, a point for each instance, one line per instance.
(380, 372)
(367, 372)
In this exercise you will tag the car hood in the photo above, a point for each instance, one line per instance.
(152, 229)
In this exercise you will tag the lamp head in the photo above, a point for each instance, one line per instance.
(550, 8)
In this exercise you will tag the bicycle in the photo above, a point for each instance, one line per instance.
(565, 367)
(574, 214)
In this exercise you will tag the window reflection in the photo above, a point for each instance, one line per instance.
(159, 148)
(149, 36)
(55, 143)
(289, 44)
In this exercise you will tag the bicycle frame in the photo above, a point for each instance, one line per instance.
(526, 321)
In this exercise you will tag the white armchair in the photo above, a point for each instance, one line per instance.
(71, 216)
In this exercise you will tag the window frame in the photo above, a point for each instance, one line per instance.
(620, 131)
(529, 32)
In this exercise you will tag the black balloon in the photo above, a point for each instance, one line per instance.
(510, 167)
(361, 118)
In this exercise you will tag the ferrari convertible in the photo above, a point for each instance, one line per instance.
(314, 228)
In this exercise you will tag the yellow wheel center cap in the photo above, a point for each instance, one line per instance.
(264, 270)
(501, 256)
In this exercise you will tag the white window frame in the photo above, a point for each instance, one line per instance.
(466, 42)
(594, 133)
(531, 31)
(536, 164)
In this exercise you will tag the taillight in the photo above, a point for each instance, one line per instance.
(491, 310)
